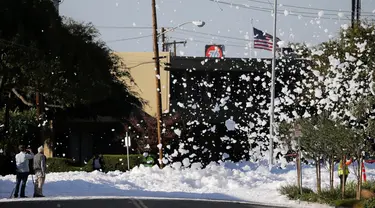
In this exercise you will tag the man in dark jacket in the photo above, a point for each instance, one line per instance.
(98, 163)
(40, 172)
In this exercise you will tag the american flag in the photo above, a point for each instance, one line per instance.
(263, 40)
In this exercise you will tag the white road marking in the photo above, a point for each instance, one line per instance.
(138, 203)
(141, 203)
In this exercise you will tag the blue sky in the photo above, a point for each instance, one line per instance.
(232, 23)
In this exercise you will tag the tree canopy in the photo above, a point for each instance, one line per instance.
(60, 58)
(63, 61)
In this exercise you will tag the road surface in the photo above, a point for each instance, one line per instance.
(126, 203)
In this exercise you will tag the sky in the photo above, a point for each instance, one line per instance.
(309, 21)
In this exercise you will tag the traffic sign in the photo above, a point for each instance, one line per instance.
(128, 141)
(214, 51)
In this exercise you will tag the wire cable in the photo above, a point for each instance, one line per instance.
(270, 10)
(211, 37)
(122, 27)
(211, 34)
(131, 38)
(182, 30)
(310, 8)
(212, 42)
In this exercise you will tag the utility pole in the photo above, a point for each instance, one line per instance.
(358, 10)
(157, 79)
(174, 43)
(353, 11)
(272, 109)
(164, 46)
(175, 48)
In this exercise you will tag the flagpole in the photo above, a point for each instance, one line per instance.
(251, 39)
(272, 132)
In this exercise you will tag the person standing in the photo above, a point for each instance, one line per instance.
(23, 170)
(98, 163)
(148, 160)
(343, 170)
(40, 172)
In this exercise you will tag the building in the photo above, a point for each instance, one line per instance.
(142, 68)
(183, 79)
(80, 138)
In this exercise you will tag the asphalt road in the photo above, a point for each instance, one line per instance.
(127, 203)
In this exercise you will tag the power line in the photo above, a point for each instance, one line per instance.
(206, 42)
(215, 35)
(182, 30)
(122, 27)
(210, 37)
(296, 12)
(310, 8)
(131, 38)
(268, 10)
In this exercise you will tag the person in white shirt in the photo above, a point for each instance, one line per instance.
(23, 170)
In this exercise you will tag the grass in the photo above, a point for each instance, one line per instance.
(327, 196)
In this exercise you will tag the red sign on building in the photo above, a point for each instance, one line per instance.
(214, 51)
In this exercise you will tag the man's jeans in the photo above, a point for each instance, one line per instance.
(21, 177)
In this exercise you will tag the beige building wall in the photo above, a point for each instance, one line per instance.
(142, 68)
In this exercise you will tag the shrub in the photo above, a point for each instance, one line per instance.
(346, 202)
(293, 192)
(327, 196)
(117, 162)
(370, 185)
(369, 203)
(310, 197)
(60, 165)
(331, 196)
(111, 163)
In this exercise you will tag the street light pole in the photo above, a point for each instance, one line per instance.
(157, 72)
(272, 132)
(157, 78)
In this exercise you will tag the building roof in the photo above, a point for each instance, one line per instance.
(223, 64)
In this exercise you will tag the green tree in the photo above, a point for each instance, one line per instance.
(20, 124)
(341, 83)
(62, 60)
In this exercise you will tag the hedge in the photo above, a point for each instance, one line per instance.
(369, 203)
(111, 163)
(61, 165)
(332, 197)
(341, 203)
(118, 162)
